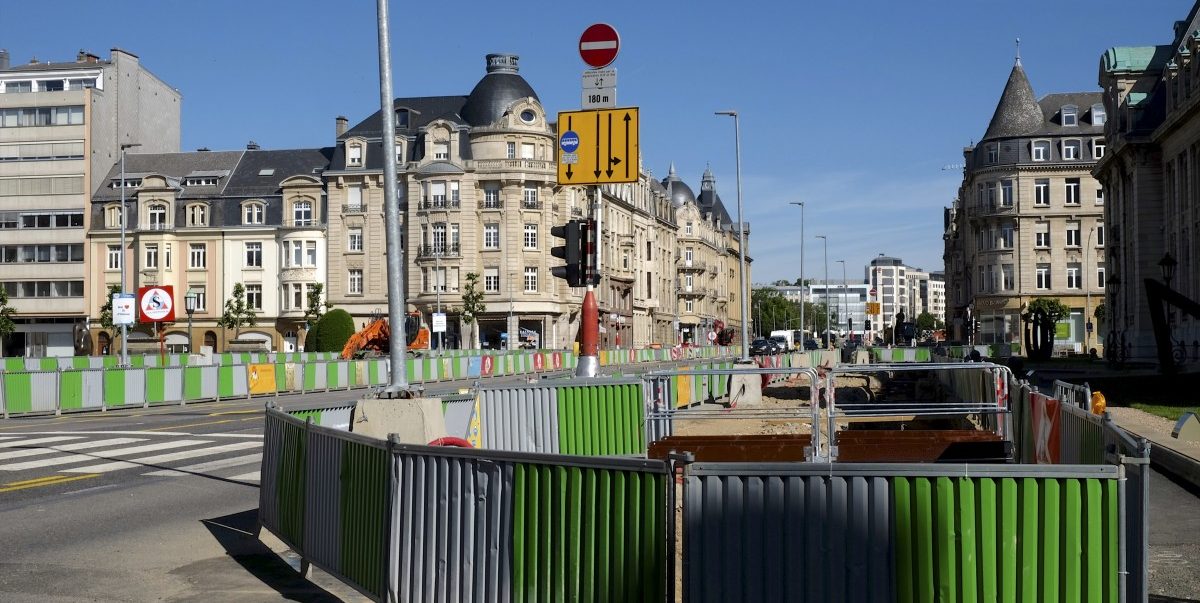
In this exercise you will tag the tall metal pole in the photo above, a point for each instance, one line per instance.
(1087, 291)
(398, 381)
(845, 304)
(124, 217)
(440, 281)
(737, 137)
(825, 241)
(803, 296)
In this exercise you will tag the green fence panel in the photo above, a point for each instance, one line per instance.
(81, 362)
(289, 499)
(137, 361)
(225, 379)
(601, 420)
(364, 512)
(281, 380)
(332, 379)
(192, 383)
(18, 395)
(1005, 539)
(582, 534)
(14, 364)
(114, 387)
(110, 361)
(70, 390)
(155, 385)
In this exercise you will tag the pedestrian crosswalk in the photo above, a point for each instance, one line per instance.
(147, 454)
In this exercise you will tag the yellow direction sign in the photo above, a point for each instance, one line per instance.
(598, 146)
(872, 307)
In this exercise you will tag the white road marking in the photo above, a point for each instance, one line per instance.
(247, 477)
(209, 466)
(161, 458)
(16, 454)
(36, 441)
(104, 454)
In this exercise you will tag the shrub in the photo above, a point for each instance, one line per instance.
(334, 328)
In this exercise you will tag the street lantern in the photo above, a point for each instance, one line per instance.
(1167, 264)
(189, 304)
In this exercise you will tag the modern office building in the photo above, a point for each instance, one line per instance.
(1028, 222)
(62, 126)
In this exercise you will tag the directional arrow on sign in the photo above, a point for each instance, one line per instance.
(602, 139)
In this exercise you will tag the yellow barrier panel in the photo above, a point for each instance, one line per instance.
(260, 378)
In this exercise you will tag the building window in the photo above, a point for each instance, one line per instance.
(205, 181)
(491, 280)
(253, 254)
(531, 279)
(1070, 115)
(689, 305)
(254, 297)
(491, 236)
(991, 195)
(441, 150)
(1043, 276)
(1073, 274)
(399, 151)
(310, 253)
(1006, 272)
(491, 197)
(531, 196)
(512, 150)
(1073, 234)
(113, 216)
(201, 297)
(1041, 192)
(401, 118)
(114, 257)
(354, 198)
(355, 281)
(354, 155)
(527, 150)
(151, 256)
(687, 229)
(437, 193)
(156, 215)
(531, 232)
(197, 256)
(454, 197)
(993, 153)
(1097, 148)
(197, 215)
(167, 256)
(1042, 235)
(1071, 188)
(1006, 235)
(302, 213)
(354, 240)
(1041, 150)
(1070, 150)
(1100, 276)
(1099, 196)
(1100, 234)
(1098, 115)
(1006, 193)
(253, 213)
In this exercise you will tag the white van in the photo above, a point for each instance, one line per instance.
(788, 336)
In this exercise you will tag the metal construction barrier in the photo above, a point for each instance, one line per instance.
(577, 416)
(1079, 396)
(885, 532)
(665, 389)
(420, 523)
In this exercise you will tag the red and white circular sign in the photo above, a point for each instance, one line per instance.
(598, 45)
(874, 292)
(157, 304)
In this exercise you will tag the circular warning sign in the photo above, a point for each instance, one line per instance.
(598, 45)
(157, 304)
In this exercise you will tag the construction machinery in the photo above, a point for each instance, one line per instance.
(375, 338)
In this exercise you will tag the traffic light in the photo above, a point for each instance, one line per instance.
(587, 240)
(867, 325)
(573, 235)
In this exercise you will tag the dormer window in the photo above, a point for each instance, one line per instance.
(156, 216)
(354, 155)
(1070, 115)
(401, 118)
(205, 181)
(528, 116)
(400, 151)
(197, 215)
(112, 216)
(1070, 150)
(253, 213)
(1097, 148)
(302, 213)
(993, 154)
(1098, 115)
(441, 150)
(1041, 150)
(129, 183)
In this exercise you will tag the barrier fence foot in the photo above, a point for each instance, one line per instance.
(305, 568)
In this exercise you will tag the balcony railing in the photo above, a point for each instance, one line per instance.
(438, 251)
(530, 204)
(354, 209)
(155, 226)
(492, 204)
(293, 223)
(530, 165)
(692, 265)
(438, 203)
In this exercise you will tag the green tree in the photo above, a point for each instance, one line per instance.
(238, 313)
(473, 306)
(926, 322)
(1041, 317)
(106, 311)
(333, 330)
(7, 326)
(316, 308)
(1101, 313)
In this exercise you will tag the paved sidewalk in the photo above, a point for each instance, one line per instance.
(1178, 457)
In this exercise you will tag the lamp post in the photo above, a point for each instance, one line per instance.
(1167, 264)
(189, 304)
(825, 243)
(124, 327)
(737, 137)
(511, 278)
(802, 287)
(1087, 293)
(845, 304)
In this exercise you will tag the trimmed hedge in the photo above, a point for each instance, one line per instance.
(333, 330)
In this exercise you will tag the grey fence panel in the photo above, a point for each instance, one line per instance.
(93, 388)
(337, 418)
(43, 391)
(1135, 456)
(343, 373)
(173, 384)
(458, 416)
(65, 362)
(322, 499)
(135, 386)
(320, 374)
(3, 403)
(1081, 436)
(520, 419)
(241, 385)
(744, 539)
(452, 528)
(268, 484)
(208, 383)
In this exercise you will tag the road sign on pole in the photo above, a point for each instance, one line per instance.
(598, 45)
(598, 146)
(157, 303)
(123, 312)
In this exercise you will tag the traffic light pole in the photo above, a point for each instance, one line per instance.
(589, 318)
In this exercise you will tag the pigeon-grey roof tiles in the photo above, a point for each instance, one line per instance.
(1018, 112)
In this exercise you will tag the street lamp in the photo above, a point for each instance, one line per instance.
(825, 242)
(845, 303)
(737, 137)
(189, 304)
(1087, 293)
(124, 327)
(1167, 264)
(802, 287)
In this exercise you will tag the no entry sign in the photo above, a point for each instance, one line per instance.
(598, 45)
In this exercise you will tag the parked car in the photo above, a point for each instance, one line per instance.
(811, 344)
(782, 343)
(763, 347)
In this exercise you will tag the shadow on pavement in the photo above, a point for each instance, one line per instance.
(1166, 599)
(236, 534)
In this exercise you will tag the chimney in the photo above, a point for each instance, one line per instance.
(502, 63)
(203, 150)
(340, 126)
(3, 59)
(81, 56)
(252, 146)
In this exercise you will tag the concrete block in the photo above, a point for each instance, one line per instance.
(415, 421)
(745, 388)
(1187, 428)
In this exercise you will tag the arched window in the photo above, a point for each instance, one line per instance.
(156, 216)
(210, 340)
(197, 214)
(354, 154)
(302, 213)
(104, 344)
(1098, 115)
(112, 216)
(253, 213)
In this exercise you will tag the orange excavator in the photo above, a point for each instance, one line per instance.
(375, 338)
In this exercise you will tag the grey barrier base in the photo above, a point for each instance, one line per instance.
(587, 366)
(413, 421)
(745, 388)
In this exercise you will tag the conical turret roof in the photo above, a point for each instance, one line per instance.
(1018, 112)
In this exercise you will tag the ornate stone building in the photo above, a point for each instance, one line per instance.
(1028, 222)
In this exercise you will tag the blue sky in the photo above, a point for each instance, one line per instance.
(852, 107)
